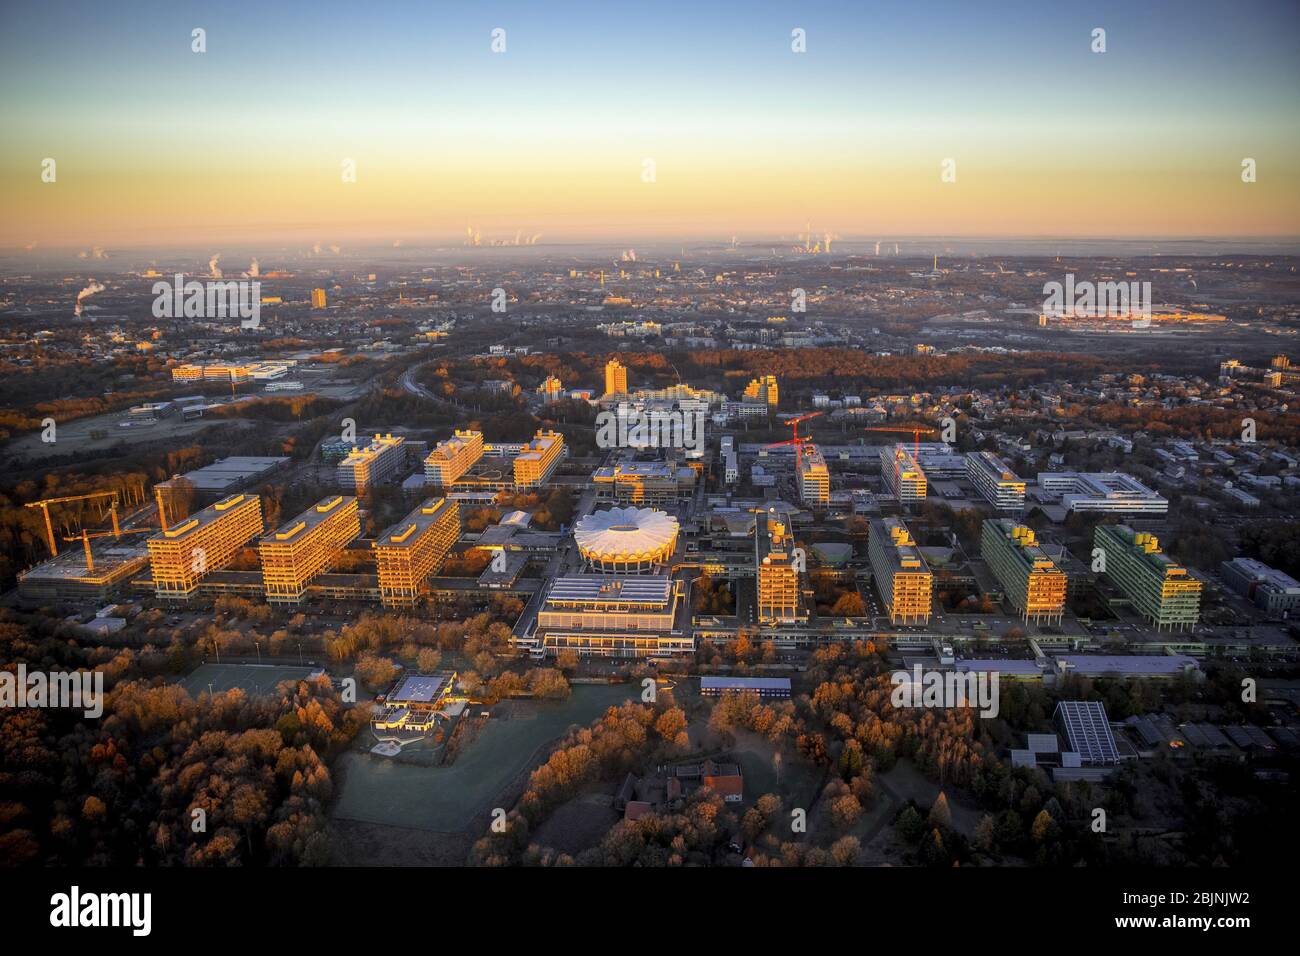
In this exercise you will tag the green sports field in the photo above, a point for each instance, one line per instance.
(258, 679)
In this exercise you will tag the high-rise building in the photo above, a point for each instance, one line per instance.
(453, 457)
(902, 576)
(318, 298)
(539, 459)
(183, 554)
(780, 594)
(902, 475)
(305, 547)
(1033, 582)
(730, 461)
(413, 549)
(999, 485)
(814, 478)
(762, 389)
(1162, 591)
(551, 390)
(373, 465)
(615, 378)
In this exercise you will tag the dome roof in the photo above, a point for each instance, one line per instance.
(625, 533)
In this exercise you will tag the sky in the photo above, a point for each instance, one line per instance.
(155, 144)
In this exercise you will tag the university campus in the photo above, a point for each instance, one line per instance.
(567, 475)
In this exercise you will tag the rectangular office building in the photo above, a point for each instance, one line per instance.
(1161, 590)
(780, 593)
(539, 459)
(292, 556)
(902, 474)
(902, 576)
(182, 555)
(1000, 486)
(814, 478)
(1032, 581)
(615, 615)
(379, 461)
(453, 457)
(1107, 491)
(413, 549)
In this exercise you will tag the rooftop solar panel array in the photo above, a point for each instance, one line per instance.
(1088, 731)
(653, 589)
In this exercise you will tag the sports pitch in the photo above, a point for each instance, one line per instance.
(256, 679)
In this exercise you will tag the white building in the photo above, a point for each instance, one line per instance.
(1107, 491)
(1000, 486)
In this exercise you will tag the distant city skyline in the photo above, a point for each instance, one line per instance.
(158, 146)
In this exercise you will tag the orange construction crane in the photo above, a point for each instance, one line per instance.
(797, 440)
(45, 503)
(916, 430)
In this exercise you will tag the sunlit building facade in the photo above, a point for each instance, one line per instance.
(1000, 486)
(182, 555)
(780, 588)
(814, 477)
(1162, 591)
(306, 547)
(372, 465)
(537, 462)
(902, 576)
(644, 482)
(1033, 582)
(413, 549)
(613, 615)
(902, 475)
(453, 457)
(615, 378)
(762, 389)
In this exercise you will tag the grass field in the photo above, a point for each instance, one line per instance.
(259, 679)
(446, 799)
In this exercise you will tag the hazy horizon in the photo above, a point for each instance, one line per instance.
(159, 146)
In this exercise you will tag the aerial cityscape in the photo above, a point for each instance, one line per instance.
(764, 459)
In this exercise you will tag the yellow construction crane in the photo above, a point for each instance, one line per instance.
(45, 503)
(85, 537)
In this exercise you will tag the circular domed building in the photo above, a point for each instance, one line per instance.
(626, 539)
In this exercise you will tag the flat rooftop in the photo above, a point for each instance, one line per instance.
(905, 557)
(421, 688)
(648, 589)
(229, 473)
(448, 448)
(372, 451)
(1127, 664)
(111, 559)
(745, 683)
(533, 450)
(410, 529)
(309, 519)
(1028, 668)
(201, 519)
